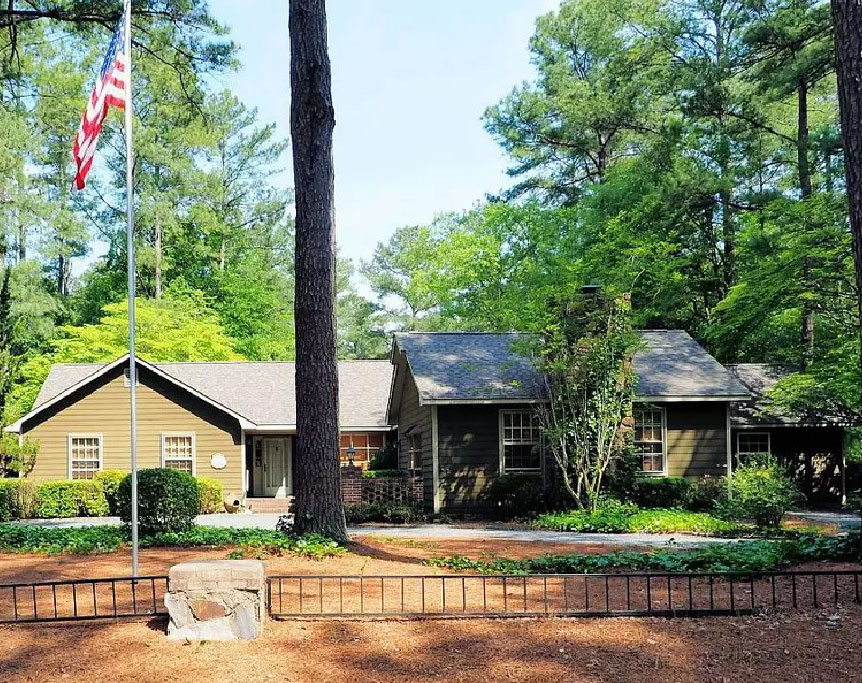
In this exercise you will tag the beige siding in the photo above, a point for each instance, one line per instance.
(161, 408)
(696, 439)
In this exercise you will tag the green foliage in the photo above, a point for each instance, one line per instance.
(18, 498)
(376, 474)
(585, 359)
(106, 539)
(110, 480)
(515, 495)
(619, 518)
(663, 492)
(80, 497)
(168, 501)
(17, 458)
(741, 556)
(391, 513)
(211, 495)
(761, 492)
(386, 458)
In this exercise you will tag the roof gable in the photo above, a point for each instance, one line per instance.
(260, 393)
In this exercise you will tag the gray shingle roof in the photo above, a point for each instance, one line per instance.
(264, 392)
(482, 366)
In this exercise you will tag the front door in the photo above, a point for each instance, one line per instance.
(277, 475)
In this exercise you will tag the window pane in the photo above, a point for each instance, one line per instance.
(522, 457)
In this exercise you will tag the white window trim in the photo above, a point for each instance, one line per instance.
(752, 433)
(127, 380)
(194, 448)
(663, 471)
(502, 445)
(82, 435)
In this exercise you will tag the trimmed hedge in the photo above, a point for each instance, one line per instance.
(17, 499)
(392, 513)
(168, 500)
(77, 498)
(662, 492)
(212, 495)
(110, 483)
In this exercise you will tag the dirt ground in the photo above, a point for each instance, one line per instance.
(816, 645)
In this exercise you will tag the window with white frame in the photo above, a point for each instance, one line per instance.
(85, 455)
(748, 443)
(649, 437)
(520, 441)
(178, 452)
(127, 377)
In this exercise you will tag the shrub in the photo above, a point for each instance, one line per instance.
(706, 492)
(662, 492)
(392, 513)
(386, 458)
(376, 474)
(17, 499)
(515, 495)
(80, 497)
(618, 518)
(212, 495)
(168, 501)
(761, 492)
(110, 483)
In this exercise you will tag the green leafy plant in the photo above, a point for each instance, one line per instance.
(377, 474)
(662, 492)
(761, 492)
(386, 458)
(391, 513)
(617, 518)
(168, 500)
(515, 495)
(741, 556)
(81, 497)
(212, 495)
(110, 480)
(18, 499)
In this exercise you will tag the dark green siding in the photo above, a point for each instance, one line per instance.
(416, 419)
(696, 439)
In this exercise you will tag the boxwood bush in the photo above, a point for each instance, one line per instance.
(515, 495)
(392, 513)
(168, 501)
(79, 497)
(662, 492)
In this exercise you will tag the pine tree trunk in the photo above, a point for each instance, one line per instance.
(158, 257)
(847, 22)
(807, 328)
(317, 476)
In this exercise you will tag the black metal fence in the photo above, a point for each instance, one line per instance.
(436, 596)
(581, 595)
(83, 599)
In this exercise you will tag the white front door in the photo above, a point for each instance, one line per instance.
(277, 474)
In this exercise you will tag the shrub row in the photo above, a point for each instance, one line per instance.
(627, 518)
(25, 499)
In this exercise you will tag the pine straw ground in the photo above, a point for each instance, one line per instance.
(817, 645)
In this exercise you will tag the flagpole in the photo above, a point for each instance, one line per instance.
(130, 270)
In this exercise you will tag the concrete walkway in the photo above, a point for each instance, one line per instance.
(426, 532)
(843, 520)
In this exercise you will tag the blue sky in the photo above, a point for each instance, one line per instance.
(410, 82)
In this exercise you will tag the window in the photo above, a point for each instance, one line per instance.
(752, 442)
(178, 452)
(127, 377)
(85, 455)
(366, 445)
(649, 438)
(520, 441)
(414, 450)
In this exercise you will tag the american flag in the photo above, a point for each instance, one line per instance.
(109, 90)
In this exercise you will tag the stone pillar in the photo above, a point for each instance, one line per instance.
(217, 600)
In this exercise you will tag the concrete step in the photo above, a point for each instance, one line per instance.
(269, 505)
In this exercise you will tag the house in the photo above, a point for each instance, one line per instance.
(231, 421)
(463, 406)
(811, 445)
(459, 406)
